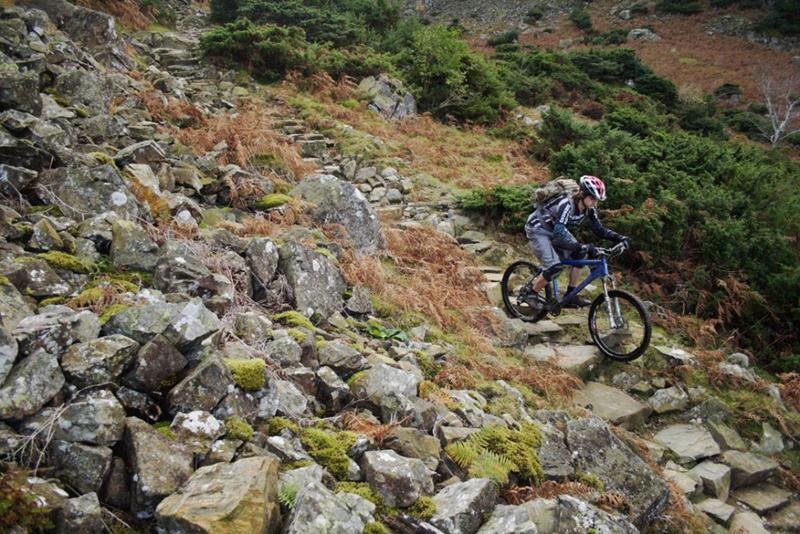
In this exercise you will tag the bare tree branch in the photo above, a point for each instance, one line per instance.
(781, 93)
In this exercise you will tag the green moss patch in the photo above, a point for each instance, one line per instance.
(293, 318)
(162, 427)
(111, 311)
(248, 374)
(296, 334)
(273, 200)
(329, 449)
(238, 428)
(277, 424)
(68, 262)
(424, 508)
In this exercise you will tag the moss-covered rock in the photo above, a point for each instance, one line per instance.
(276, 424)
(293, 318)
(238, 428)
(423, 508)
(273, 200)
(68, 262)
(248, 374)
(329, 449)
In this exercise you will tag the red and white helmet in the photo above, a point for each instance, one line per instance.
(594, 186)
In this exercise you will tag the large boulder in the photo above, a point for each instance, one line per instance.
(36, 278)
(54, 329)
(262, 257)
(318, 509)
(342, 358)
(131, 247)
(399, 481)
(413, 443)
(179, 270)
(688, 441)
(202, 389)
(339, 202)
(98, 361)
(237, 498)
(748, 468)
(612, 404)
(83, 467)
(157, 366)
(98, 418)
(461, 507)
(575, 516)
(86, 26)
(596, 450)
(159, 466)
(86, 191)
(388, 97)
(317, 284)
(387, 389)
(282, 398)
(30, 385)
(81, 514)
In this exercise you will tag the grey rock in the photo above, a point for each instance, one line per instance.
(252, 327)
(116, 489)
(687, 484)
(20, 90)
(786, 519)
(740, 359)
(716, 478)
(339, 202)
(359, 303)
(748, 523)
(399, 481)
(285, 351)
(201, 389)
(88, 27)
(13, 307)
(317, 509)
(388, 98)
(342, 358)
(301, 477)
(688, 442)
(14, 180)
(158, 465)
(508, 332)
(36, 278)
(8, 353)
(45, 237)
(238, 498)
(287, 448)
(747, 468)
(179, 270)
(131, 248)
(387, 389)
(717, 510)
(145, 152)
(676, 355)
(30, 385)
(97, 418)
(667, 400)
(451, 434)
(763, 498)
(509, 520)
(83, 467)
(575, 516)
(262, 257)
(771, 440)
(554, 456)
(595, 449)
(577, 359)
(317, 285)
(737, 372)
(87, 191)
(138, 403)
(612, 405)
(333, 391)
(413, 443)
(710, 410)
(98, 361)
(156, 367)
(283, 398)
(81, 515)
(643, 34)
(196, 430)
(461, 507)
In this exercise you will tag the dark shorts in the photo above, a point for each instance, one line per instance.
(542, 246)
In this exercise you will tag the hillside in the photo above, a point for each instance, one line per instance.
(249, 278)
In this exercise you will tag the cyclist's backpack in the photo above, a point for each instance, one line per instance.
(554, 188)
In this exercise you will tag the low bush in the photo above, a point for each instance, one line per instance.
(784, 19)
(508, 37)
(582, 20)
(534, 15)
(680, 7)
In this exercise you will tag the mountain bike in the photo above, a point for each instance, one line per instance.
(618, 321)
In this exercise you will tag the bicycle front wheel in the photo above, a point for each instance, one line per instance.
(517, 291)
(620, 326)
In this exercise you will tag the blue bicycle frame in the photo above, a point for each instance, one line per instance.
(599, 269)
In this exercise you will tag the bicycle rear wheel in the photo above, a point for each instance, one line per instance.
(622, 334)
(517, 293)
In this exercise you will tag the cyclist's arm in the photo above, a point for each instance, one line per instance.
(600, 230)
(563, 238)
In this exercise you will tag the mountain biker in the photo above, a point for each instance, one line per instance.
(551, 241)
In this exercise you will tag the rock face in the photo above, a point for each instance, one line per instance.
(316, 283)
(596, 450)
(399, 481)
(689, 442)
(461, 507)
(84, 467)
(612, 405)
(388, 97)
(201, 389)
(30, 385)
(237, 498)
(339, 202)
(317, 509)
(88, 191)
(98, 418)
(158, 465)
(98, 361)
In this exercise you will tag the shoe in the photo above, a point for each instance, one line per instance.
(577, 302)
(534, 300)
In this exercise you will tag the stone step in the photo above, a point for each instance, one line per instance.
(612, 404)
(763, 498)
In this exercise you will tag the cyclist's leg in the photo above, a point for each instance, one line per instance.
(542, 247)
(574, 279)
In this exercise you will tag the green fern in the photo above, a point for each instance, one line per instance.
(492, 466)
(287, 496)
(463, 452)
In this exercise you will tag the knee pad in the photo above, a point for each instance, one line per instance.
(552, 272)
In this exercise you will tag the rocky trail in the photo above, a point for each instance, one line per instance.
(167, 363)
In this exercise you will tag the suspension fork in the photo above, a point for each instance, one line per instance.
(612, 317)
